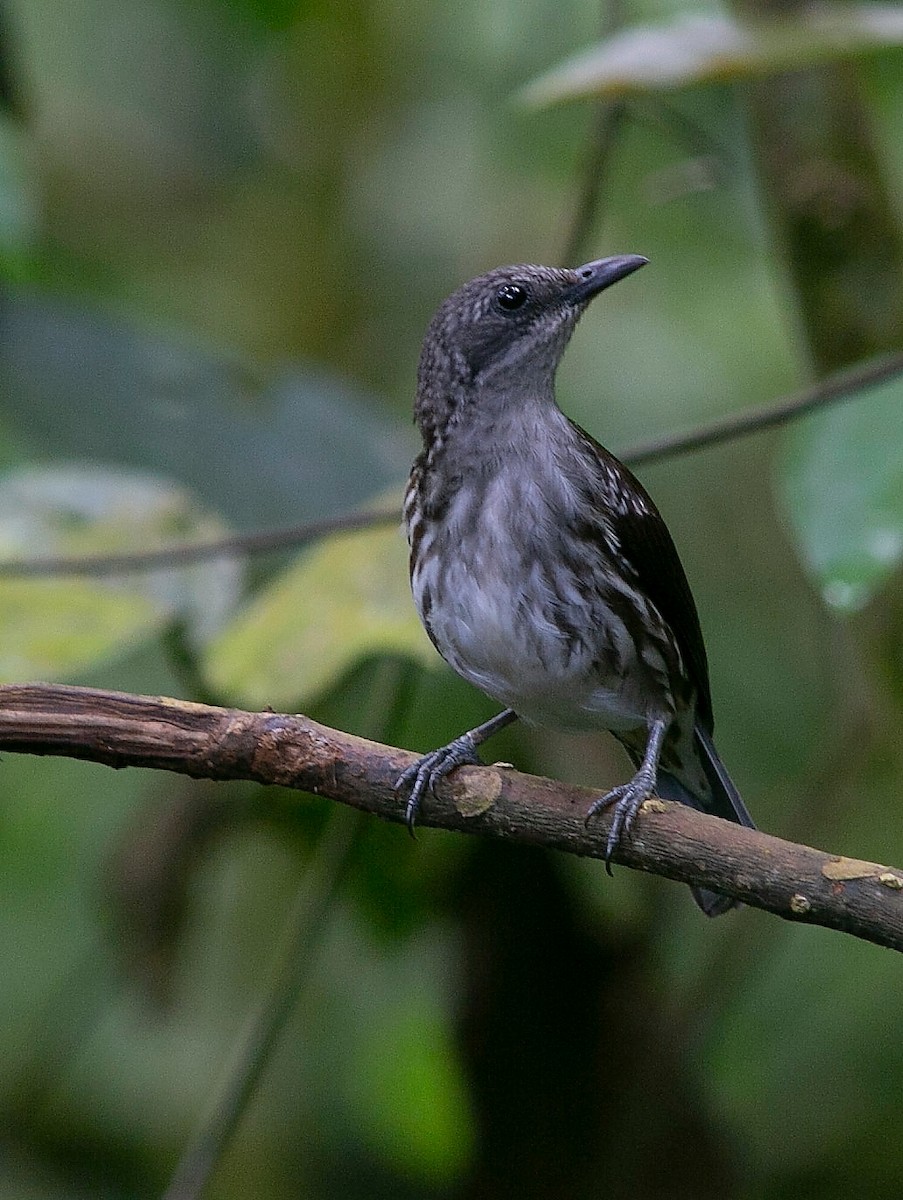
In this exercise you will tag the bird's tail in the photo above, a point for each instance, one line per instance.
(723, 800)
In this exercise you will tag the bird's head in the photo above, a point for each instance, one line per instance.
(512, 324)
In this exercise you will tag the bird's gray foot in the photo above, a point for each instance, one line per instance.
(627, 800)
(423, 775)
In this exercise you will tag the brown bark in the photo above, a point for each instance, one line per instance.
(793, 881)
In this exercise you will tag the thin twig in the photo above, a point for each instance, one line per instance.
(844, 385)
(237, 545)
(790, 880)
(292, 967)
(607, 120)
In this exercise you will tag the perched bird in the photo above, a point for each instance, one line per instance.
(540, 567)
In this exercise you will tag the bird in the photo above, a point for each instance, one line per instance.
(540, 567)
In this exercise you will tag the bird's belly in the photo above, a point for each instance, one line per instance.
(536, 665)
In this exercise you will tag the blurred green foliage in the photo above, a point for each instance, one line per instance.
(224, 225)
(851, 533)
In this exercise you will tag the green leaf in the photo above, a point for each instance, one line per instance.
(346, 599)
(53, 627)
(842, 484)
(715, 47)
(263, 451)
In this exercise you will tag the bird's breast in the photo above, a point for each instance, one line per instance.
(524, 613)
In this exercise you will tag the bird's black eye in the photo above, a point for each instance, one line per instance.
(511, 296)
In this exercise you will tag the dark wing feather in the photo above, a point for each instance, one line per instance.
(649, 548)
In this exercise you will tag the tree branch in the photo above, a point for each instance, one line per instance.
(793, 881)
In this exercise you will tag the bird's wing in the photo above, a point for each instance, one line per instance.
(648, 547)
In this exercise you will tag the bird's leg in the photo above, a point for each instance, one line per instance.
(629, 798)
(423, 775)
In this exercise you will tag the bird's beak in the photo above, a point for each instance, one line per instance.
(595, 276)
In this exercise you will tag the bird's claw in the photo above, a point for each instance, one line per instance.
(423, 775)
(627, 799)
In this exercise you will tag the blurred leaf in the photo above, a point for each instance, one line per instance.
(261, 452)
(842, 484)
(53, 626)
(345, 599)
(715, 47)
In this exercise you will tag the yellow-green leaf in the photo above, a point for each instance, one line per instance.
(344, 600)
(54, 627)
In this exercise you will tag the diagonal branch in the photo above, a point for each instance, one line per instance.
(842, 385)
(121, 730)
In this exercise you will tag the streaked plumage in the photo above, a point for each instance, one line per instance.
(540, 566)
